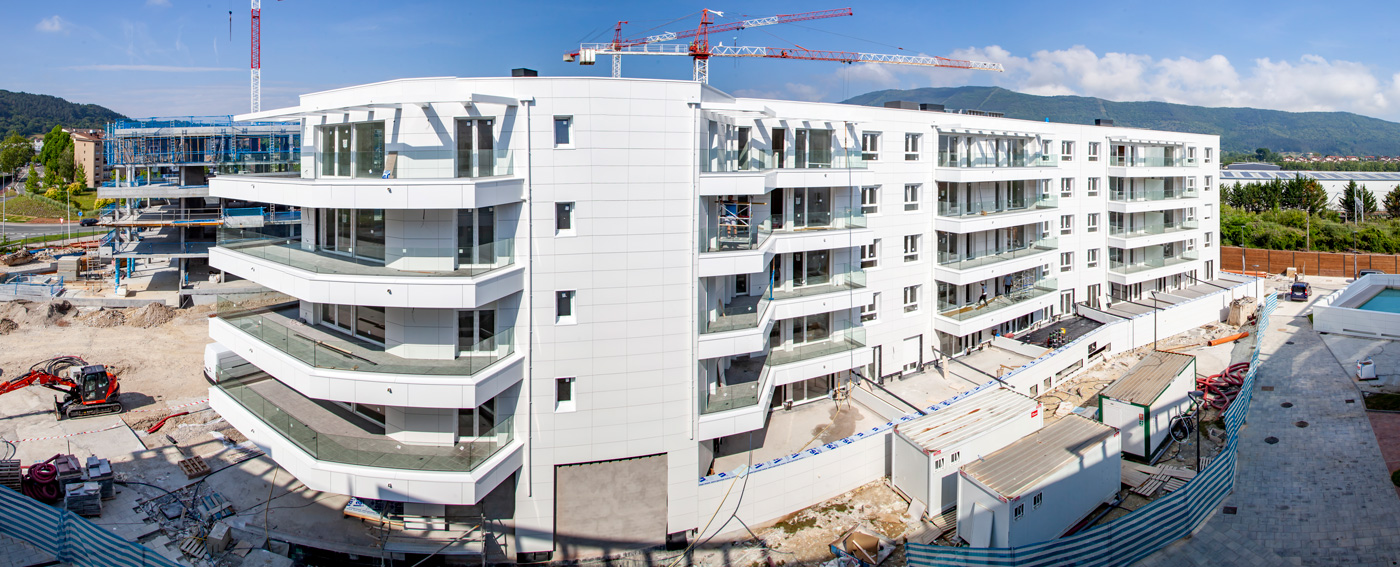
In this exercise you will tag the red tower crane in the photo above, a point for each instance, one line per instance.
(257, 54)
(700, 50)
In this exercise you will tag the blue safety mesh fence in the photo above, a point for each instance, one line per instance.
(1138, 534)
(70, 538)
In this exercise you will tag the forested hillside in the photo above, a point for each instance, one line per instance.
(30, 114)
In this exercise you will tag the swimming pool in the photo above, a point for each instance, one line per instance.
(1388, 301)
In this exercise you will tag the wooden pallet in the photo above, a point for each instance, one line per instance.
(194, 467)
(1154, 483)
(1173, 485)
(10, 474)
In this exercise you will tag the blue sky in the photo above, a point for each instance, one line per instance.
(175, 57)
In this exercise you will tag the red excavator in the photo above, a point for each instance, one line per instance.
(89, 390)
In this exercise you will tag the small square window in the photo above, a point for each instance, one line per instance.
(938, 463)
(1091, 257)
(563, 217)
(911, 197)
(1035, 390)
(563, 394)
(1047, 384)
(1066, 261)
(1067, 187)
(911, 248)
(1091, 222)
(1035, 502)
(870, 312)
(1208, 235)
(1020, 511)
(953, 458)
(870, 146)
(911, 147)
(1067, 150)
(1210, 181)
(564, 305)
(1093, 151)
(870, 200)
(1092, 189)
(1066, 224)
(563, 131)
(869, 255)
(911, 299)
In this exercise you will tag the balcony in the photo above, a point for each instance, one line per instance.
(715, 160)
(955, 261)
(988, 207)
(461, 262)
(329, 433)
(277, 326)
(746, 249)
(1149, 161)
(749, 377)
(1125, 268)
(1042, 287)
(428, 163)
(749, 311)
(1151, 229)
(1025, 159)
(845, 340)
(1144, 195)
(748, 380)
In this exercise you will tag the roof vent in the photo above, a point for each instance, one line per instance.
(1102, 122)
(523, 72)
(931, 107)
(903, 104)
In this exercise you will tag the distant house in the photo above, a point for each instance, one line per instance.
(87, 155)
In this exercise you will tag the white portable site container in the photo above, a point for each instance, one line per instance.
(928, 451)
(1037, 488)
(1142, 403)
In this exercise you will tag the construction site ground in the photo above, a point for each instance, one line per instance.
(157, 354)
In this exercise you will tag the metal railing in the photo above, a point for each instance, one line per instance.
(1152, 263)
(1152, 228)
(956, 261)
(291, 251)
(432, 163)
(1009, 204)
(1017, 295)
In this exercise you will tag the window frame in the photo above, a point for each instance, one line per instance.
(870, 146)
(1066, 187)
(911, 146)
(911, 248)
(564, 211)
(1066, 225)
(1091, 222)
(1093, 152)
(1091, 258)
(1067, 261)
(870, 313)
(569, 298)
(1208, 239)
(914, 190)
(1066, 150)
(1092, 187)
(568, 131)
(870, 206)
(873, 258)
(911, 298)
(351, 146)
(567, 384)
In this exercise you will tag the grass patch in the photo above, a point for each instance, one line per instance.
(49, 238)
(16, 218)
(29, 206)
(86, 201)
(1387, 402)
(793, 525)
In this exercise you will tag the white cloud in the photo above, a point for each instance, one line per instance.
(152, 68)
(53, 24)
(161, 3)
(1311, 83)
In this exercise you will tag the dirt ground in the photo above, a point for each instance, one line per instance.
(802, 538)
(157, 352)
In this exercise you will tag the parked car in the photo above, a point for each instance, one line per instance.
(1364, 273)
(88, 222)
(1300, 291)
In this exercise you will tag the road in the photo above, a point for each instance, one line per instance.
(18, 230)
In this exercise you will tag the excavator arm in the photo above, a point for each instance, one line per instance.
(37, 377)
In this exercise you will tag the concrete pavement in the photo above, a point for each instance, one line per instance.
(1320, 495)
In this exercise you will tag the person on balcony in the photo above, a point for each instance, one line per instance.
(982, 301)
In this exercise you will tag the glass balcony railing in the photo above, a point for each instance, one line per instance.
(277, 326)
(1017, 295)
(1152, 228)
(955, 261)
(746, 311)
(836, 158)
(1026, 159)
(417, 262)
(431, 163)
(840, 219)
(1152, 161)
(1013, 204)
(307, 423)
(1161, 194)
(1152, 263)
(844, 340)
(729, 238)
(714, 160)
(744, 393)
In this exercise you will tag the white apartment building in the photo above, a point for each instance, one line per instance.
(551, 296)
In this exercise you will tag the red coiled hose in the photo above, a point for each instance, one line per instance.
(1222, 388)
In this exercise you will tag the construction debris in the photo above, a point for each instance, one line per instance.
(83, 499)
(194, 467)
(100, 472)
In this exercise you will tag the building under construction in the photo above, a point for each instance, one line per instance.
(161, 171)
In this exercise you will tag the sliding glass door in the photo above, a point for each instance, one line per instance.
(357, 233)
(476, 237)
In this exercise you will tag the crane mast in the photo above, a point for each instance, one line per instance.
(257, 56)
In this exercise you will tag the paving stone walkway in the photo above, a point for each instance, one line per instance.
(17, 553)
(1321, 495)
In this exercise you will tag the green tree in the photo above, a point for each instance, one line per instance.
(80, 177)
(1355, 198)
(1392, 202)
(1305, 194)
(1262, 154)
(51, 178)
(54, 143)
(66, 164)
(15, 153)
(31, 180)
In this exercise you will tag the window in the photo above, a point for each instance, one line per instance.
(911, 197)
(1066, 261)
(938, 463)
(1046, 383)
(563, 394)
(869, 255)
(911, 299)
(1093, 189)
(953, 458)
(1091, 257)
(1091, 222)
(1210, 181)
(1067, 151)
(871, 312)
(870, 146)
(476, 331)
(1066, 303)
(1093, 151)
(1034, 391)
(356, 233)
(1066, 224)
(1067, 187)
(1208, 235)
(1190, 183)
(563, 131)
(1191, 155)
(911, 248)
(1190, 245)
(870, 200)
(1020, 511)
(476, 147)
(1209, 151)
(477, 422)
(563, 217)
(353, 150)
(564, 305)
(1035, 502)
(911, 147)
(1209, 206)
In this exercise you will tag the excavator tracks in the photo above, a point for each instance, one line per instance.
(79, 411)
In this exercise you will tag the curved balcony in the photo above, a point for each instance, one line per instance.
(410, 277)
(962, 319)
(747, 250)
(741, 326)
(328, 365)
(333, 450)
(962, 269)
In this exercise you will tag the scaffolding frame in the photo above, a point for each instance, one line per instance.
(217, 142)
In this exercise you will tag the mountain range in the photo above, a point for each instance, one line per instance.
(30, 114)
(1240, 129)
